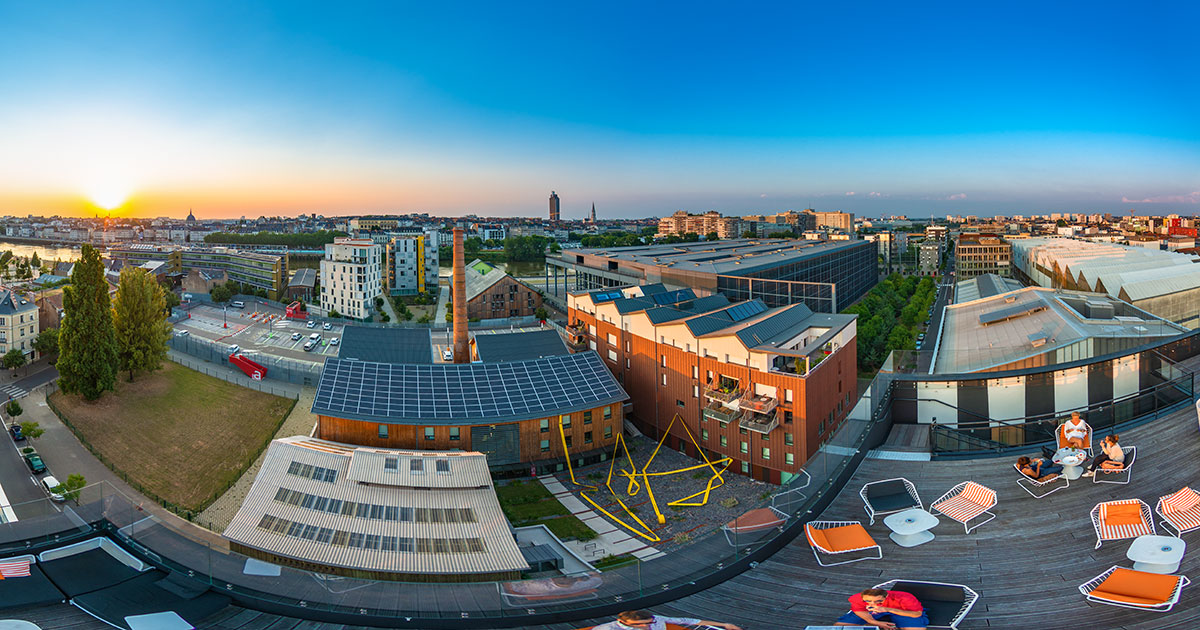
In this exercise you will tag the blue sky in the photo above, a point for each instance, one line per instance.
(485, 108)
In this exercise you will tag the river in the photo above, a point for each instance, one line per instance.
(47, 253)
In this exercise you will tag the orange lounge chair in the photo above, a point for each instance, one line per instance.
(1062, 439)
(754, 521)
(1129, 588)
(1118, 520)
(1180, 511)
(838, 537)
(966, 501)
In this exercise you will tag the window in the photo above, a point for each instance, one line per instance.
(743, 431)
(608, 412)
(545, 425)
(587, 417)
(787, 417)
(383, 431)
(428, 433)
(568, 438)
(745, 468)
(566, 422)
(587, 437)
(416, 466)
(703, 435)
(679, 403)
(695, 372)
(545, 446)
(789, 459)
(454, 434)
(787, 439)
(745, 447)
(787, 395)
(724, 441)
(695, 391)
(664, 379)
(664, 360)
(766, 453)
(442, 466)
(607, 433)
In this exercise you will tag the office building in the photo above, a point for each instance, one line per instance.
(554, 207)
(703, 224)
(268, 272)
(827, 276)
(843, 221)
(976, 254)
(764, 386)
(929, 257)
(373, 224)
(351, 277)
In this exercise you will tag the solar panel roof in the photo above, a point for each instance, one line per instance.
(519, 346)
(671, 297)
(471, 393)
(746, 310)
(1002, 314)
(387, 345)
(606, 296)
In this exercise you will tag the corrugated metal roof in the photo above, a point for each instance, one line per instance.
(519, 346)
(387, 345)
(788, 320)
(414, 512)
(480, 276)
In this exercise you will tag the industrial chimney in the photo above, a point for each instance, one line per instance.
(462, 351)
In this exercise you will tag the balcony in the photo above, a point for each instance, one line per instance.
(720, 413)
(759, 404)
(723, 394)
(759, 423)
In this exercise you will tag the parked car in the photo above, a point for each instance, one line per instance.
(34, 462)
(50, 483)
(15, 432)
(234, 349)
(312, 324)
(447, 355)
(309, 345)
(237, 304)
(335, 341)
(315, 337)
(296, 336)
(182, 333)
(328, 326)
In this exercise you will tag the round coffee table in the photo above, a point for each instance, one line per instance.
(1156, 554)
(1071, 459)
(911, 527)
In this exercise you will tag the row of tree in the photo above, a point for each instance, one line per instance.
(100, 336)
(309, 240)
(888, 317)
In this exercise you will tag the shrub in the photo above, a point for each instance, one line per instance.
(729, 503)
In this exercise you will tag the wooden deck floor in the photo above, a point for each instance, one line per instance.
(1026, 564)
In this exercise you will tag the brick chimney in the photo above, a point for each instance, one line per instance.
(462, 349)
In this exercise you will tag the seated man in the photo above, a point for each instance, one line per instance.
(1038, 468)
(885, 609)
(645, 620)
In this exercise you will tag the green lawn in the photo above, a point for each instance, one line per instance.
(181, 434)
(569, 527)
(519, 492)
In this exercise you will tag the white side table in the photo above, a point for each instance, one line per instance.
(1071, 459)
(1156, 554)
(911, 527)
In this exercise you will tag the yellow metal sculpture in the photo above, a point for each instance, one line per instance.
(641, 478)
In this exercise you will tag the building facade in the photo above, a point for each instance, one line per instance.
(976, 254)
(554, 206)
(762, 386)
(683, 223)
(929, 257)
(351, 277)
(18, 323)
(412, 263)
(268, 272)
(838, 220)
(493, 294)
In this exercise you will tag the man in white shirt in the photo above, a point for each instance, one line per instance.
(645, 620)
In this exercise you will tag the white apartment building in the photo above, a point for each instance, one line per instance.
(351, 277)
(18, 323)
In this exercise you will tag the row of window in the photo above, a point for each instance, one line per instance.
(587, 439)
(342, 538)
(566, 419)
(308, 471)
(416, 466)
(430, 434)
(373, 511)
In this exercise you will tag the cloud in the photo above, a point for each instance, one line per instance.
(850, 194)
(763, 196)
(958, 197)
(874, 194)
(1192, 197)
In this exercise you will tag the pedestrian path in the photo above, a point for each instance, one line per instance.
(611, 540)
(13, 392)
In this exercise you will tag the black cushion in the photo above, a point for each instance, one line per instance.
(29, 591)
(86, 572)
(892, 502)
(941, 601)
(182, 586)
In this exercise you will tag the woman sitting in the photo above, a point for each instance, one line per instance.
(1075, 431)
(1112, 456)
(1040, 469)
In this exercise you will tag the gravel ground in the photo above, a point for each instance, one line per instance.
(221, 512)
(695, 522)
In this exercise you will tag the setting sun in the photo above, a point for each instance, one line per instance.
(108, 196)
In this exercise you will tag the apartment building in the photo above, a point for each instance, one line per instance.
(351, 277)
(682, 223)
(263, 271)
(979, 253)
(838, 220)
(18, 323)
(764, 386)
(412, 263)
(929, 257)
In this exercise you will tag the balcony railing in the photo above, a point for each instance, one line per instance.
(720, 413)
(759, 423)
(759, 404)
(721, 395)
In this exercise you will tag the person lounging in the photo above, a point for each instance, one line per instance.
(1038, 468)
(1075, 430)
(885, 609)
(1111, 457)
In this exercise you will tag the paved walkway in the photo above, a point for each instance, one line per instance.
(389, 309)
(443, 300)
(612, 541)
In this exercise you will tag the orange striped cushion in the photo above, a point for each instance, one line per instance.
(1181, 501)
(1188, 519)
(978, 494)
(14, 568)
(1117, 522)
(959, 508)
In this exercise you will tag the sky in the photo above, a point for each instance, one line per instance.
(285, 108)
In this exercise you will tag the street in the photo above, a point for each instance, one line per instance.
(944, 293)
(19, 486)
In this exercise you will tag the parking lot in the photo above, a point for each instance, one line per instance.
(262, 329)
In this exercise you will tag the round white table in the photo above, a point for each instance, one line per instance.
(911, 527)
(1156, 554)
(1071, 459)
(18, 624)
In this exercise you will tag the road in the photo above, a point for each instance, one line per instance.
(21, 488)
(944, 294)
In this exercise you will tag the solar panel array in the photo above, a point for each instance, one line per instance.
(460, 394)
(1002, 314)
(606, 296)
(746, 310)
(671, 297)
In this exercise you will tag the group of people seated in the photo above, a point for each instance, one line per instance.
(1075, 433)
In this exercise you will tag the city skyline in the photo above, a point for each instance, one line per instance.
(290, 109)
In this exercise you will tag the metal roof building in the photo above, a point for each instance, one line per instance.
(378, 513)
(1164, 283)
(387, 345)
(519, 346)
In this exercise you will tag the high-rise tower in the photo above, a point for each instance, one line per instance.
(593, 212)
(553, 206)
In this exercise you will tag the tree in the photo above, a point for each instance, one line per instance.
(171, 298)
(378, 302)
(541, 313)
(140, 322)
(221, 293)
(13, 409)
(87, 343)
(712, 236)
(70, 488)
(334, 314)
(749, 234)
(47, 341)
(35, 262)
(31, 430)
(14, 358)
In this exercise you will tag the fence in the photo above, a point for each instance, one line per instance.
(279, 368)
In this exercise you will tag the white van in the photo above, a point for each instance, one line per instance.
(50, 484)
(315, 337)
(237, 304)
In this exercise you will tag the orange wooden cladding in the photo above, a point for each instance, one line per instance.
(530, 433)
